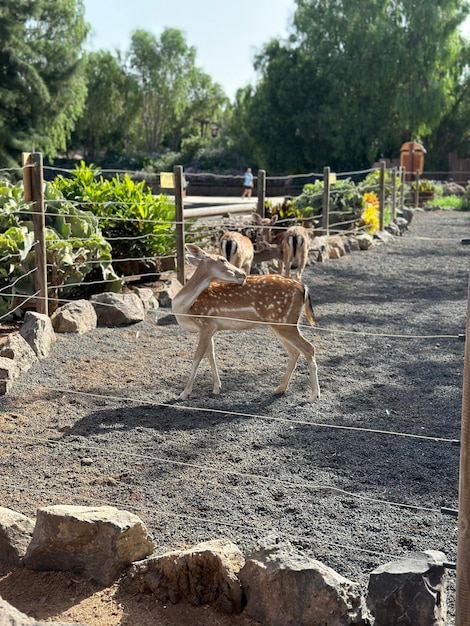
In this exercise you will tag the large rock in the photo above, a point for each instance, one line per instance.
(365, 241)
(169, 291)
(95, 542)
(148, 299)
(115, 309)
(74, 317)
(453, 189)
(9, 616)
(38, 332)
(16, 357)
(410, 591)
(16, 531)
(336, 247)
(285, 588)
(203, 574)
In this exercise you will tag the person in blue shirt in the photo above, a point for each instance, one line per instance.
(247, 183)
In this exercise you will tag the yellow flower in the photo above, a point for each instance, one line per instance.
(370, 215)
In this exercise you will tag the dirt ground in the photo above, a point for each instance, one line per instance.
(354, 480)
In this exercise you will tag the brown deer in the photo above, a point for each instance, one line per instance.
(294, 245)
(219, 296)
(237, 249)
(290, 250)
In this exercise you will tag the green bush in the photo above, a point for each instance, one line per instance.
(346, 201)
(75, 249)
(138, 225)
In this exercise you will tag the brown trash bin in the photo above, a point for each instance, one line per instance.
(412, 157)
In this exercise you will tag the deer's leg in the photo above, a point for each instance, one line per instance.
(285, 263)
(204, 346)
(292, 362)
(289, 335)
(210, 353)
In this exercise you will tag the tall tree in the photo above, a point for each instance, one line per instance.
(173, 90)
(42, 86)
(112, 107)
(366, 76)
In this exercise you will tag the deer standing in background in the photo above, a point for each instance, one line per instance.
(237, 249)
(219, 296)
(294, 245)
(289, 247)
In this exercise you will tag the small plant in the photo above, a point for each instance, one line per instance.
(287, 210)
(74, 248)
(424, 186)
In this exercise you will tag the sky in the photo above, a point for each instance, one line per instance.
(226, 34)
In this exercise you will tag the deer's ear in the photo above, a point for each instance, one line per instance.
(195, 254)
(195, 250)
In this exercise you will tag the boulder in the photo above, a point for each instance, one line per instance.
(94, 542)
(285, 588)
(384, 236)
(336, 247)
(351, 244)
(16, 531)
(148, 299)
(453, 189)
(365, 241)
(115, 309)
(410, 591)
(203, 574)
(74, 317)
(16, 356)
(169, 291)
(319, 249)
(38, 332)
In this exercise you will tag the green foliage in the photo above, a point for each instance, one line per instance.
(354, 81)
(112, 107)
(453, 203)
(346, 200)
(139, 226)
(74, 247)
(43, 87)
(286, 210)
(424, 185)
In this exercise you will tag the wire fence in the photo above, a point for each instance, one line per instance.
(207, 228)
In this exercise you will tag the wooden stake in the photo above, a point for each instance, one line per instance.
(179, 217)
(33, 182)
(462, 606)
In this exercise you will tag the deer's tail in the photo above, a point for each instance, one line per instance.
(308, 307)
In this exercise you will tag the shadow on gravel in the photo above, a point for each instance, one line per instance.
(177, 417)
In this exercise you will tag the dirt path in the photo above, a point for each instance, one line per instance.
(327, 476)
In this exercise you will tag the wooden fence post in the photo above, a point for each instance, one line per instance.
(394, 194)
(326, 201)
(261, 192)
(382, 195)
(179, 223)
(417, 189)
(33, 192)
(462, 606)
(402, 186)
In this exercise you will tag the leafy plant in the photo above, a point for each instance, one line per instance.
(139, 225)
(286, 210)
(424, 185)
(74, 248)
(345, 202)
(455, 203)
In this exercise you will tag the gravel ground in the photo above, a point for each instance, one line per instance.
(354, 480)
